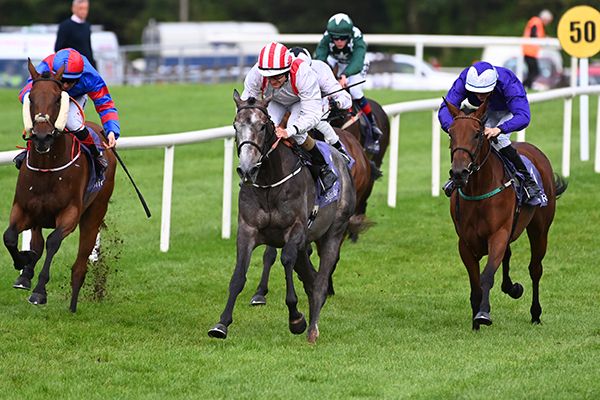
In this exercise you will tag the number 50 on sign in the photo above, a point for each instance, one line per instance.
(579, 31)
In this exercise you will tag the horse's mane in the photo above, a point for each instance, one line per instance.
(46, 75)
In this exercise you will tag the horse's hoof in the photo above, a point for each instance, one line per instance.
(516, 291)
(298, 326)
(313, 334)
(536, 321)
(258, 300)
(37, 299)
(22, 282)
(483, 318)
(219, 331)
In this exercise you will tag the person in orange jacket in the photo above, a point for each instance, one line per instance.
(531, 52)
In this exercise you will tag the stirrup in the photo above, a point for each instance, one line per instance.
(373, 147)
(327, 178)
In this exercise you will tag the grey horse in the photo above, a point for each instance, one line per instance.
(275, 202)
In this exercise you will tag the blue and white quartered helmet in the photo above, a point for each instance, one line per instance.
(481, 77)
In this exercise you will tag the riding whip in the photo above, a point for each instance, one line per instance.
(146, 209)
(344, 88)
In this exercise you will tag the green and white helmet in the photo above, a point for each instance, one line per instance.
(340, 25)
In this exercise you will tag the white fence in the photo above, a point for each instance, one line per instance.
(394, 111)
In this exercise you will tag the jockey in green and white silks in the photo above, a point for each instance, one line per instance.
(295, 89)
(343, 46)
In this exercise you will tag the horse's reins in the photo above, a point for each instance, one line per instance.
(264, 153)
(54, 132)
(473, 166)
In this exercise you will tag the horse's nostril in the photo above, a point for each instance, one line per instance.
(240, 172)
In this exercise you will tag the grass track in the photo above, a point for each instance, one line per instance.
(398, 326)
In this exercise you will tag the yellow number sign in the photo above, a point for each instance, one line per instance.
(579, 31)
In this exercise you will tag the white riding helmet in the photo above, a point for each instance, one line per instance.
(274, 59)
(481, 77)
(301, 53)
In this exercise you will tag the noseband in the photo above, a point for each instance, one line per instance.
(40, 118)
(473, 166)
(266, 148)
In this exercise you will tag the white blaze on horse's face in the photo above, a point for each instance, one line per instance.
(250, 131)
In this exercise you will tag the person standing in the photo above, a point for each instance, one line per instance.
(75, 32)
(531, 52)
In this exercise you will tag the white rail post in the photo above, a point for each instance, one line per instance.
(165, 224)
(521, 135)
(227, 188)
(566, 156)
(435, 155)
(584, 112)
(393, 170)
(597, 160)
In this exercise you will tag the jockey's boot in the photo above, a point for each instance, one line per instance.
(100, 162)
(338, 146)
(18, 160)
(449, 187)
(320, 170)
(532, 189)
(373, 146)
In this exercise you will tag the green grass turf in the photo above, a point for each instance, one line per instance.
(398, 327)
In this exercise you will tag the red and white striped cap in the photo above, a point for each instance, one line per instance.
(274, 59)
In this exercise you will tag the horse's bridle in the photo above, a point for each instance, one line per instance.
(267, 147)
(473, 166)
(44, 117)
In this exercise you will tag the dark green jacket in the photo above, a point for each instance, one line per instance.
(352, 54)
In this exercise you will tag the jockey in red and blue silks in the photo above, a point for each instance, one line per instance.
(507, 111)
(81, 80)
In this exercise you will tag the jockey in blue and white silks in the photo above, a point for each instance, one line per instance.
(507, 111)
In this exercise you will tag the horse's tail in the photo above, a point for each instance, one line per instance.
(561, 184)
(357, 225)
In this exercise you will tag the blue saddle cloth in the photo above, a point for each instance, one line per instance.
(522, 198)
(95, 182)
(333, 194)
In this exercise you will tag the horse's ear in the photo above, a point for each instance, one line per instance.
(480, 112)
(59, 73)
(32, 71)
(454, 111)
(236, 97)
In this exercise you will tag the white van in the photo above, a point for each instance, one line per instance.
(38, 42)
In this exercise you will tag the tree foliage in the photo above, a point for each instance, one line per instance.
(128, 18)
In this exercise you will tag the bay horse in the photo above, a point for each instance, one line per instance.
(355, 125)
(51, 190)
(363, 182)
(275, 201)
(487, 217)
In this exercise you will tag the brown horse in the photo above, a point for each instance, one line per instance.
(357, 124)
(51, 190)
(363, 183)
(487, 218)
